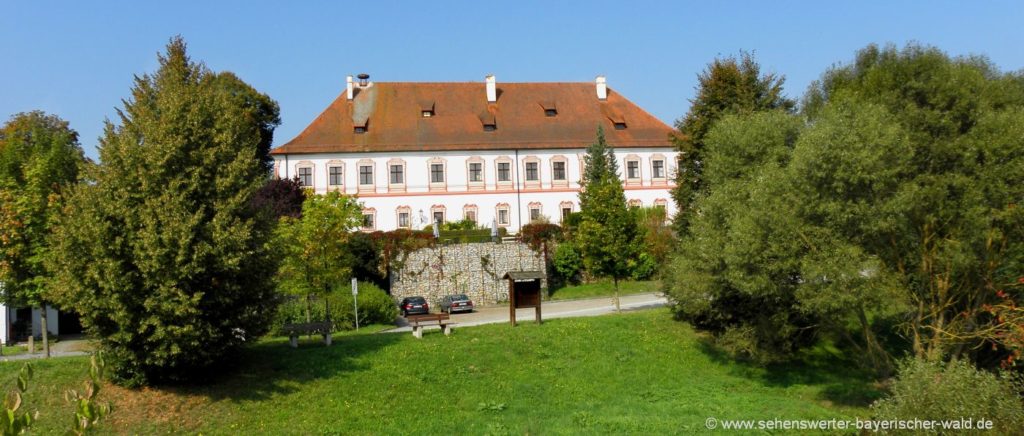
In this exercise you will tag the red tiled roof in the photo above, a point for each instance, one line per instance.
(392, 114)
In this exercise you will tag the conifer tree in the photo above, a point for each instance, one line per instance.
(607, 234)
(164, 256)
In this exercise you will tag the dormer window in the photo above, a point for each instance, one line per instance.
(360, 126)
(490, 127)
(489, 121)
(620, 126)
(550, 109)
(426, 108)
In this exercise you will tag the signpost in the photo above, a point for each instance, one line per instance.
(355, 300)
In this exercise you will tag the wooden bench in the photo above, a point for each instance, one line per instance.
(295, 330)
(439, 319)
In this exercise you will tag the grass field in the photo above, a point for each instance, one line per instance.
(639, 372)
(605, 288)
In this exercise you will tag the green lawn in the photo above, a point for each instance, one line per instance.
(605, 288)
(639, 372)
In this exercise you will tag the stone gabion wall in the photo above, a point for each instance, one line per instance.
(474, 269)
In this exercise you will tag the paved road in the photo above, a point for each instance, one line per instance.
(550, 310)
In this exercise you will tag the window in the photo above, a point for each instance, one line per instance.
(365, 175)
(633, 169)
(490, 127)
(471, 215)
(566, 207)
(534, 214)
(635, 203)
(658, 169)
(504, 172)
(404, 214)
(558, 170)
(306, 176)
(397, 174)
(550, 112)
(476, 172)
(531, 172)
(503, 215)
(620, 126)
(436, 173)
(368, 220)
(335, 176)
(427, 113)
(439, 217)
(469, 212)
(360, 129)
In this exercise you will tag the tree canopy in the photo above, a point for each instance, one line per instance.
(163, 255)
(728, 86)
(607, 234)
(895, 205)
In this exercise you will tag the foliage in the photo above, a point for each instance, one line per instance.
(604, 288)
(727, 86)
(13, 422)
(607, 236)
(375, 307)
(538, 235)
(465, 224)
(396, 245)
(567, 262)
(656, 376)
(932, 390)
(364, 258)
(658, 240)
(280, 198)
(314, 250)
(163, 255)
(39, 158)
(891, 205)
(89, 412)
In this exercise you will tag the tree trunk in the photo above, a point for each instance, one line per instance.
(46, 335)
(618, 308)
(309, 308)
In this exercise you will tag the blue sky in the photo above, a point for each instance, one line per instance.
(76, 59)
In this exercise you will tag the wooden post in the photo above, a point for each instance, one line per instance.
(512, 301)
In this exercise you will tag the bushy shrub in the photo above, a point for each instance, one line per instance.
(536, 234)
(643, 267)
(375, 307)
(567, 262)
(951, 391)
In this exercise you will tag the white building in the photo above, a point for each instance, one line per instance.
(418, 152)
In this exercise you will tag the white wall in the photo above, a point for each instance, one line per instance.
(456, 193)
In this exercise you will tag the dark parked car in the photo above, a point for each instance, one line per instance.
(414, 306)
(456, 303)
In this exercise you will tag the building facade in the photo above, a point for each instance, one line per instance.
(504, 155)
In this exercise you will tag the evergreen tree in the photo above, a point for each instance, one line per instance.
(727, 86)
(39, 158)
(164, 256)
(607, 235)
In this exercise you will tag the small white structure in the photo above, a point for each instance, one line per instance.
(416, 153)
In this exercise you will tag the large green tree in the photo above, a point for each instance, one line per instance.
(39, 158)
(896, 205)
(315, 254)
(728, 85)
(608, 233)
(164, 255)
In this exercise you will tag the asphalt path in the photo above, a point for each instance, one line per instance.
(549, 310)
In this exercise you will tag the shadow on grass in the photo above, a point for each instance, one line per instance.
(842, 380)
(272, 367)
